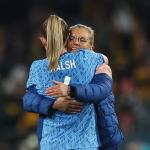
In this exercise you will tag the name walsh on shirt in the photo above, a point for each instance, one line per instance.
(69, 64)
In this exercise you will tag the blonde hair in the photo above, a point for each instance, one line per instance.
(89, 29)
(55, 32)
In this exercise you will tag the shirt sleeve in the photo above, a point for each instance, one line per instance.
(100, 60)
(91, 59)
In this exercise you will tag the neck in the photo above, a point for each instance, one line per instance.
(63, 51)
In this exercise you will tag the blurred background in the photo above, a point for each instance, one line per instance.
(122, 32)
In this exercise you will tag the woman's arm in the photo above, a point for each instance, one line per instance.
(34, 102)
(97, 90)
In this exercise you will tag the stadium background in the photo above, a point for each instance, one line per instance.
(122, 32)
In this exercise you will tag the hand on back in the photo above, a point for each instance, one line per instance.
(104, 68)
(67, 105)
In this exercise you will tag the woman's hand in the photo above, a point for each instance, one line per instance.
(67, 105)
(104, 68)
(60, 89)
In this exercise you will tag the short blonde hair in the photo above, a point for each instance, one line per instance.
(89, 29)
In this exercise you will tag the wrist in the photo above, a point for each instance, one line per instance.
(52, 109)
(54, 106)
(72, 91)
(68, 91)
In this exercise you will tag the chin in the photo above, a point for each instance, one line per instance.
(74, 49)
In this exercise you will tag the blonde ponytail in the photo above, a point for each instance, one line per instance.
(56, 30)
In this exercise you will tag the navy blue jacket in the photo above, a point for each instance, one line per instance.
(99, 92)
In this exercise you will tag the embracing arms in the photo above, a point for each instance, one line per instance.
(97, 90)
(33, 102)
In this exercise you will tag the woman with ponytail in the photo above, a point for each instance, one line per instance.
(53, 38)
(60, 130)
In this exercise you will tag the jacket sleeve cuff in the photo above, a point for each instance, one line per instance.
(75, 92)
(72, 91)
(45, 106)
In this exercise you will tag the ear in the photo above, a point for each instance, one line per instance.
(43, 41)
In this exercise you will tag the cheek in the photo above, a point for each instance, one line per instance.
(69, 45)
(85, 45)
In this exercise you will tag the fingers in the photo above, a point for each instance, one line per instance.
(67, 106)
(54, 91)
(74, 107)
(55, 87)
(105, 59)
(75, 103)
(73, 111)
(56, 82)
(54, 94)
(108, 68)
(104, 69)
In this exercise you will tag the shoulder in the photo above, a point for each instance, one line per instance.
(90, 54)
(36, 70)
(81, 52)
(37, 63)
(105, 58)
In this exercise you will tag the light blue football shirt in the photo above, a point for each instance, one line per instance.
(65, 131)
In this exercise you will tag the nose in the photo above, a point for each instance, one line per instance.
(76, 41)
(75, 45)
